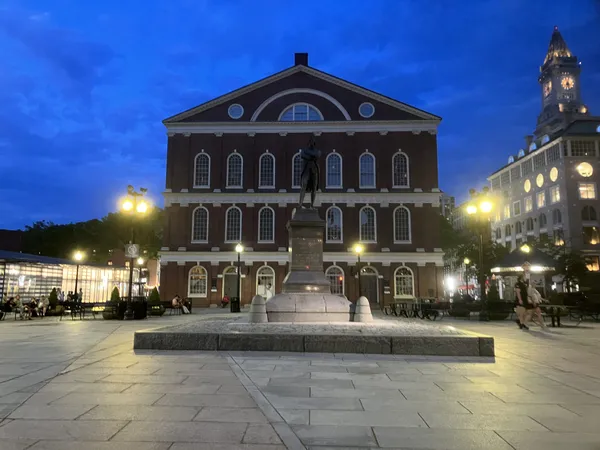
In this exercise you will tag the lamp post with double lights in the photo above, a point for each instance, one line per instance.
(480, 208)
(239, 248)
(358, 249)
(135, 205)
(78, 257)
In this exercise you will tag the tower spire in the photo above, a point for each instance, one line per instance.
(557, 47)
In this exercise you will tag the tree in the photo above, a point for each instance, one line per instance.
(115, 296)
(154, 298)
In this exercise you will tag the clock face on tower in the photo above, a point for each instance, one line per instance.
(547, 88)
(567, 82)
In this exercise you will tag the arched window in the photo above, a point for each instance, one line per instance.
(401, 224)
(368, 225)
(335, 275)
(200, 224)
(266, 225)
(333, 224)
(233, 224)
(518, 228)
(334, 171)
(507, 230)
(301, 112)
(202, 171)
(498, 233)
(556, 217)
(543, 221)
(529, 224)
(366, 164)
(235, 171)
(400, 170)
(404, 286)
(266, 171)
(197, 282)
(588, 213)
(265, 282)
(296, 170)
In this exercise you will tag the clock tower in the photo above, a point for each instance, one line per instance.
(559, 82)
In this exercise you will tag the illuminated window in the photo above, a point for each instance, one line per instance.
(197, 282)
(200, 225)
(591, 236)
(301, 112)
(539, 180)
(296, 170)
(266, 225)
(558, 237)
(588, 214)
(401, 224)
(527, 185)
(506, 211)
(266, 171)
(554, 194)
(404, 286)
(587, 191)
(400, 170)
(202, 171)
(334, 170)
(592, 262)
(528, 204)
(235, 171)
(517, 208)
(366, 164)
(368, 225)
(553, 174)
(585, 169)
(541, 199)
(334, 224)
(233, 224)
(335, 275)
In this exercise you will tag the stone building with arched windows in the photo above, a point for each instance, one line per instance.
(233, 176)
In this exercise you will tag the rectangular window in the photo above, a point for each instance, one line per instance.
(541, 199)
(553, 153)
(557, 237)
(592, 263)
(506, 212)
(554, 194)
(583, 148)
(539, 161)
(505, 178)
(528, 204)
(590, 236)
(587, 191)
(517, 208)
(527, 167)
(515, 173)
(495, 183)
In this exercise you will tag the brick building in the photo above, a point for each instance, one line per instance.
(233, 175)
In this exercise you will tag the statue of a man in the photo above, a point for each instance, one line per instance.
(310, 172)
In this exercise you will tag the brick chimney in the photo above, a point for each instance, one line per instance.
(301, 59)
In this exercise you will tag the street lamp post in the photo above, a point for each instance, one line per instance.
(239, 248)
(467, 261)
(135, 205)
(358, 249)
(480, 207)
(78, 257)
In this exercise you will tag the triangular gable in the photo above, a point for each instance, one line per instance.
(312, 72)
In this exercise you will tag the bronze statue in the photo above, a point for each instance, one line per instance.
(310, 172)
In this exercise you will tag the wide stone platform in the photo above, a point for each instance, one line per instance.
(378, 337)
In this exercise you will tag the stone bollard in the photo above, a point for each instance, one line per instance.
(362, 313)
(258, 310)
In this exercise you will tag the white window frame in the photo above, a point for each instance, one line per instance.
(297, 155)
(530, 198)
(258, 275)
(200, 241)
(327, 240)
(260, 160)
(590, 183)
(400, 153)
(343, 275)
(203, 154)
(538, 195)
(240, 186)
(293, 105)
(262, 241)
(201, 294)
(328, 185)
(236, 241)
(555, 188)
(412, 276)
(360, 237)
(396, 241)
(518, 202)
(360, 185)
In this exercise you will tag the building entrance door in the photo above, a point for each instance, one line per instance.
(230, 280)
(369, 284)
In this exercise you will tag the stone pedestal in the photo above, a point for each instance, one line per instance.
(306, 294)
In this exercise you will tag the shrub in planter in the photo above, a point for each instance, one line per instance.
(156, 308)
(112, 306)
(498, 309)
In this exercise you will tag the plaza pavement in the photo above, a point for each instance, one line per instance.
(75, 385)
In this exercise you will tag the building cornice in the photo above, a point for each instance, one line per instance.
(287, 198)
(420, 258)
(302, 127)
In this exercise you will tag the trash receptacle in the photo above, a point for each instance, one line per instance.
(234, 304)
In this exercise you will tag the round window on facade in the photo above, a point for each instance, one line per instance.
(366, 110)
(585, 169)
(539, 180)
(527, 185)
(553, 174)
(235, 111)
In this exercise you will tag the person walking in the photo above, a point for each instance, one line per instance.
(520, 309)
(535, 299)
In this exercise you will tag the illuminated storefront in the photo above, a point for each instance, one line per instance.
(33, 276)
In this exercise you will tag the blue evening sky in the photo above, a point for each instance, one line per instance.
(84, 85)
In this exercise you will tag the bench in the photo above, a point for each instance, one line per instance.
(555, 312)
(96, 308)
